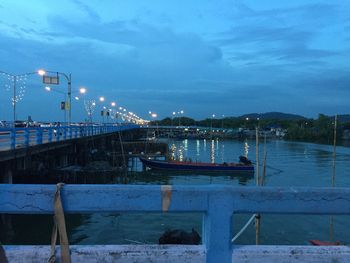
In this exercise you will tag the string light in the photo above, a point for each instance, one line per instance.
(21, 84)
(90, 106)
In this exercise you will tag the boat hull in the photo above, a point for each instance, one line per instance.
(204, 167)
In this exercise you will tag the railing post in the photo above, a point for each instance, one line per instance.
(13, 138)
(58, 131)
(26, 137)
(217, 229)
(65, 132)
(39, 136)
(49, 131)
(70, 132)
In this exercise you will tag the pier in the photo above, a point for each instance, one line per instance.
(45, 149)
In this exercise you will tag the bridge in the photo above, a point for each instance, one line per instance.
(36, 148)
(13, 138)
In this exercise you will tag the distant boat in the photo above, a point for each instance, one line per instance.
(316, 242)
(243, 165)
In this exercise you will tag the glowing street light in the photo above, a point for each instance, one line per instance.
(82, 90)
(102, 99)
(55, 81)
(41, 72)
(113, 104)
(180, 112)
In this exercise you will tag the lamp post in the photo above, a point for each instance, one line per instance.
(68, 77)
(82, 91)
(180, 112)
(211, 126)
(154, 115)
(14, 79)
(112, 110)
(49, 89)
(172, 118)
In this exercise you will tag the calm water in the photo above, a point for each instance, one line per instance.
(288, 164)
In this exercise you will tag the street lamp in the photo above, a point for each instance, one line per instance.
(211, 125)
(180, 112)
(82, 90)
(63, 105)
(172, 118)
(154, 115)
(15, 79)
(55, 81)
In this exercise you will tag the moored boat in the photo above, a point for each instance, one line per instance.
(316, 242)
(243, 165)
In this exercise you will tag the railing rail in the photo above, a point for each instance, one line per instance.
(217, 203)
(12, 138)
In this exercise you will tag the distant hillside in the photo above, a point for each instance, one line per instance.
(273, 115)
(344, 118)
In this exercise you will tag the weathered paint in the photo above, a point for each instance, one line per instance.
(216, 202)
(181, 253)
(166, 197)
(111, 253)
(290, 254)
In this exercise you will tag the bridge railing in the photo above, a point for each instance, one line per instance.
(217, 204)
(12, 138)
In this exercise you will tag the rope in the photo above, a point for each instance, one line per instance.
(3, 257)
(60, 227)
(243, 228)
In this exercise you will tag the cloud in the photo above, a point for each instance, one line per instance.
(93, 15)
(315, 12)
(255, 64)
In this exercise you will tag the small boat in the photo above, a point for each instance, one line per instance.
(243, 165)
(324, 243)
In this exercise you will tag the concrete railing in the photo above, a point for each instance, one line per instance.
(12, 138)
(216, 203)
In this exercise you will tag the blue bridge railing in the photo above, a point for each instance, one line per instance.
(217, 204)
(12, 138)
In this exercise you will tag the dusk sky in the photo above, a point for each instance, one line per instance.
(203, 57)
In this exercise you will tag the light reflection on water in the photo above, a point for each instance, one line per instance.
(212, 152)
(288, 164)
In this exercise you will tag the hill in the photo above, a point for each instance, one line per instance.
(344, 118)
(273, 116)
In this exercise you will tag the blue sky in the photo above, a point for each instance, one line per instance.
(203, 57)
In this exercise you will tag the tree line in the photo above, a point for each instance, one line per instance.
(313, 130)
